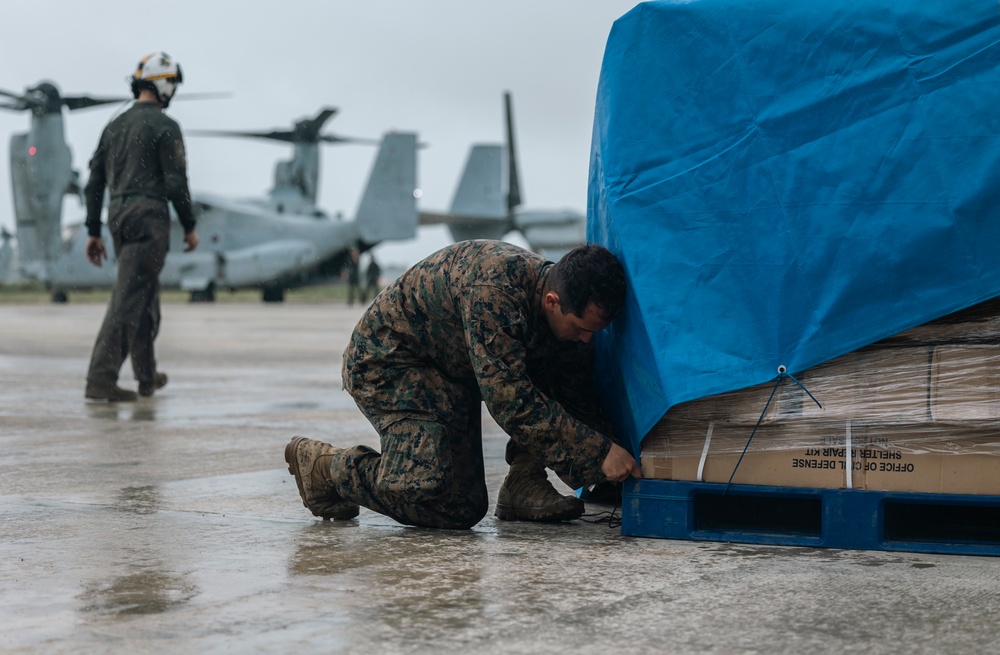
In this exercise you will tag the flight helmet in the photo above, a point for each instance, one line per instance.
(160, 73)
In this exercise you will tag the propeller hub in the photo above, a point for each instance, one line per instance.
(44, 99)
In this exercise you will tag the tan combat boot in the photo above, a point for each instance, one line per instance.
(527, 495)
(309, 462)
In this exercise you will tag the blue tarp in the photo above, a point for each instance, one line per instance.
(788, 181)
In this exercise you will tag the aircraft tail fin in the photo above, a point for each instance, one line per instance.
(388, 208)
(483, 209)
(479, 191)
(478, 209)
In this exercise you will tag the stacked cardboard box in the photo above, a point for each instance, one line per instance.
(918, 412)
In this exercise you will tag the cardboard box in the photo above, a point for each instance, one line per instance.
(916, 457)
(870, 384)
(979, 324)
(948, 458)
(776, 456)
(742, 405)
(965, 383)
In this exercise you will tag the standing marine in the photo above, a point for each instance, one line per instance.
(476, 322)
(140, 158)
(354, 288)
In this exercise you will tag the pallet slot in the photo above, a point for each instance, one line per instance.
(941, 523)
(735, 512)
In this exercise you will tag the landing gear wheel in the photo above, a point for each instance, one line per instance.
(204, 295)
(272, 294)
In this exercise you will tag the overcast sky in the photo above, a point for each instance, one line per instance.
(436, 67)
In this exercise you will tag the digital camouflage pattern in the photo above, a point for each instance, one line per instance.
(463, 326)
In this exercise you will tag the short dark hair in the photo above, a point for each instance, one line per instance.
(589, 274)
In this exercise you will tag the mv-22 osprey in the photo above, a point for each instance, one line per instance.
(487, 205)
(272, 244)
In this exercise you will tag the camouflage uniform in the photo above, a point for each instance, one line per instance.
(462, 327)
(140, 157)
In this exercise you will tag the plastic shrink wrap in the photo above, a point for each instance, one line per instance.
(918, 412)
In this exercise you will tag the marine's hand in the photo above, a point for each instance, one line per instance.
(619, 464)
(95, 250)
(191, 241)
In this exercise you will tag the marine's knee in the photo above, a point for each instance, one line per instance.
(453, 516)
(436, 502)
(419, 487)
(472, 514)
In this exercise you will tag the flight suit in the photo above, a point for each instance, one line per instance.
(140, 158)
(462, 327)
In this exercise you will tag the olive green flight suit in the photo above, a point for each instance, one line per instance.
(140, 158)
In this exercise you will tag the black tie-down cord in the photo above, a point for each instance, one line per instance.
(782, 374)
(611, 517)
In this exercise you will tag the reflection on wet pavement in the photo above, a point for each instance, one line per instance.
(171, 525)
(147, 592)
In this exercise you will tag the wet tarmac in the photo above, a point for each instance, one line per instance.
(170, 525)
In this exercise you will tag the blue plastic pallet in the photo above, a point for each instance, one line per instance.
(823, 518)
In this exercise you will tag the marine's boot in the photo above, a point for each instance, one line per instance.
(309, 461)
(527, 495)
(149, 388)
(108, 391)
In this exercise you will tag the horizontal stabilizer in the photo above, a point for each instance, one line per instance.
(526, 219)
(552, 232)
(435, 218)
(441, 218)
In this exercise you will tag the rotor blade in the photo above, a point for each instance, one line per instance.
(23, 102)
(513, 183)
(207, 95)
(84, 102)
(324, 115)
(288, 137)
(274, 135)
(333, 138)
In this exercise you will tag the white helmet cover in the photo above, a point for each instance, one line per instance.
(160, 73)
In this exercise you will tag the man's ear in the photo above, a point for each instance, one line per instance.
(550, 301)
